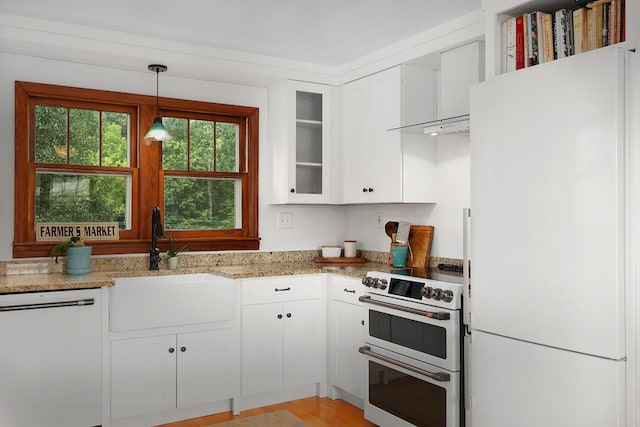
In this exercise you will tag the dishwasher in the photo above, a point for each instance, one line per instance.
(50, 359)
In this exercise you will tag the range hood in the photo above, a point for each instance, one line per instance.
(448, 126)
(453, 125)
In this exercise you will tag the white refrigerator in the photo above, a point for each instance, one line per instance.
(548, 213)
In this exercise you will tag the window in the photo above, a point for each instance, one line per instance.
(78, 159)
(202, 183)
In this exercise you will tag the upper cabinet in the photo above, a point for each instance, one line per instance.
(374, 159)
(460, 68)
(302, 164)
(527, 33)
(370, 153)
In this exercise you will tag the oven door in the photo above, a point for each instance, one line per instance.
(403, 392)
(422, 332)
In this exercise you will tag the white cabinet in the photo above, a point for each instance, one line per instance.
(175, 344)
(283, 330)
(302, 166)
(346, 334)
(379, 165)
(151, 374)
(372, 156)
(461, 68)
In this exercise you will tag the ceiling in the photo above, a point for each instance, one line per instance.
(327, 32)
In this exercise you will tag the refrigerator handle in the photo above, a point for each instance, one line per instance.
(466, 269)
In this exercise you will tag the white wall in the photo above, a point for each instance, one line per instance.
(55, 53)
(453, 195)
(312, 226)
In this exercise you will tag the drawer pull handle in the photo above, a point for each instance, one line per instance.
(171, 350)
(279, 316)
(283, 289)
(350, 291)
(288, 314)
(183, 349)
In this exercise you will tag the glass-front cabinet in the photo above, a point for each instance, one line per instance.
(308, 136)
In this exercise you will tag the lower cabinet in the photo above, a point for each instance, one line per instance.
(346, 334)
(282, 342)
(152, 374)
(279, 349)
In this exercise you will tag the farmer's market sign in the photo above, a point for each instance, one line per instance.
(57, 231)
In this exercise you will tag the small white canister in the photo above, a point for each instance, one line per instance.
(350, 248)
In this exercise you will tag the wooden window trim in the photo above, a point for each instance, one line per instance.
(146, 169)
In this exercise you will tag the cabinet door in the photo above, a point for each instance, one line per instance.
(386, 147)
(262, 348)
(143, 375)
(303, 351)
(346, 335)
(356, 136)
(372, 155)
(208, 366)
(308, 142)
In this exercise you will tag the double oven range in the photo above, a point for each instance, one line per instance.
(414, 351)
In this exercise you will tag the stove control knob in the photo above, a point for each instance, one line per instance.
(427, 292)
(366, 281)
(383, 284)
(437, 294)
(447, 296)
(375, 283)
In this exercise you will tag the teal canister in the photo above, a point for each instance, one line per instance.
(78, 260)
(399, 254)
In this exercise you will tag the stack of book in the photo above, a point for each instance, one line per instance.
(538, 37)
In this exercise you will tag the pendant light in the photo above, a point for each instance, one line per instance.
(157, 131)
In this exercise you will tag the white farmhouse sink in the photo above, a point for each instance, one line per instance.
(172, 300)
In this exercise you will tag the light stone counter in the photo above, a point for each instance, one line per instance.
(16, 283)
(36, 276)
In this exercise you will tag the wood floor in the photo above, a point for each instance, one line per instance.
(315, 411)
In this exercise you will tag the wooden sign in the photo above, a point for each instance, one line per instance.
(60, 231)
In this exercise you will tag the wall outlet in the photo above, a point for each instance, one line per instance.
(379, 220)
(285, 219)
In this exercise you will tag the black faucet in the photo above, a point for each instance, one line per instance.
(156, 231)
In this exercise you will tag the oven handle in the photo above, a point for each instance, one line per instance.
(430, 314)
(438, 376)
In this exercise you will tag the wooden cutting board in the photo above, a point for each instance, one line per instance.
(420, 238)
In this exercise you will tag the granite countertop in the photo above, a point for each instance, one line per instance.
(52, 281)
(17, 283)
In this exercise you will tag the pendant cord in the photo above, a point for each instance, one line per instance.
(157, 92)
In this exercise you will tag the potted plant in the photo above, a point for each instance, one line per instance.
(173, 253)
(78, 255)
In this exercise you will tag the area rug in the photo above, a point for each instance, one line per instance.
(272, 419)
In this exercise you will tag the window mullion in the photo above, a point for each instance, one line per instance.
(188, 145)
(215, 146)
(100, 138)
(68, 139)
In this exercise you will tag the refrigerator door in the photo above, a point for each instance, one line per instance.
(547, 187)
(516, 383)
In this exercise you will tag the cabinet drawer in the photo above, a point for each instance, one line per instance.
(346, 289)
(281, 288)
